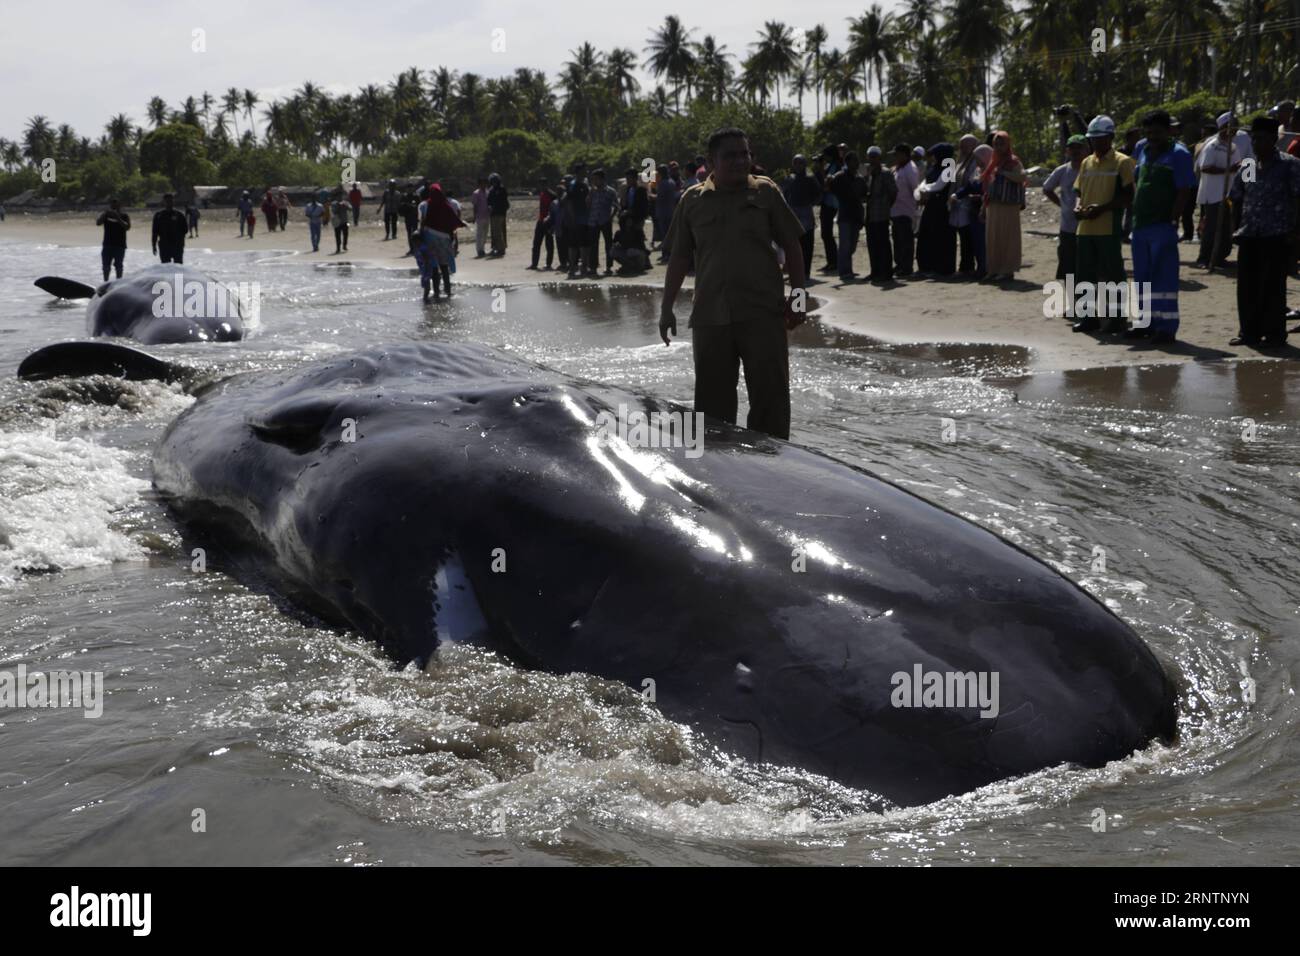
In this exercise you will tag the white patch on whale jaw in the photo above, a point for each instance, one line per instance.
(456, 616)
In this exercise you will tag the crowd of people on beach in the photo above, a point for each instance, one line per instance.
(949, 211)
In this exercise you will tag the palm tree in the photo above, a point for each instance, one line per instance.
(660, 108)
(754, 79)
(468, 104)
(581, 80)
(442, 89)
(38, 139)
(230, 105)
(672, 55)
(713, 69)
(206, 100)
(813, 41)
(407, 91)
(873, 44)
(975, 31)
(11, 155)
(776, 55)
(927, 80)
(157, 111)
(372, 115)
(119, 130)
(619, 64)
(832, 68)
(536, 96)
(275, 127)
(504, 105)
(800, 83)
(918, 16)
(250, 101)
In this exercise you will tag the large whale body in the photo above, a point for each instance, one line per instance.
(166, 303)
(791, 607)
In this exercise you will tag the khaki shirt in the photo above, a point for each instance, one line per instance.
(730, 233)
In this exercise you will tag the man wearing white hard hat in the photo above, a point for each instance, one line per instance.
(1105, 189)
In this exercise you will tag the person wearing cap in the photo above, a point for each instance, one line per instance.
(802, 192)
(1266, 214)
(244, 209)
(732, 224)
(169, 229)
(1105, 188)
(1163, 186)
(903, 214)
(1059, 190)
(315, 211)
(388, 204)
(881, 193)
(115, 223)
(1215, 162)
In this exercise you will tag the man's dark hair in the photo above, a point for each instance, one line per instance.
(1263, 124)
(903, 148)
(726, 132)
(598, 171)
(1157, 118)
(630, 172)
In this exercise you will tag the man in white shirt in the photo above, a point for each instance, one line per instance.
(902, 214)
(1216, 163)
(1062, 179)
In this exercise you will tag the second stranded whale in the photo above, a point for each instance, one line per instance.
(163, 304)
(794, 609)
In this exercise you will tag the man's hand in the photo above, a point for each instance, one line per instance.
(667, 323)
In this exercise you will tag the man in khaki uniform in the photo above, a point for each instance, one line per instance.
(729, 223)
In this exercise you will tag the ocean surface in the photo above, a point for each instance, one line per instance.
(1169, 492)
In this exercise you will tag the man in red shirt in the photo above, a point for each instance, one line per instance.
(542, 231)
(354, 197)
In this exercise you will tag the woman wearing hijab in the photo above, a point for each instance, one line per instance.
(1004, 193)
(936, 241)
(438, 224)
(963, 203)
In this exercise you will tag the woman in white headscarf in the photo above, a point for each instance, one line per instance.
(963, 203)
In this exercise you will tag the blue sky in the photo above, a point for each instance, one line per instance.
(80, 62)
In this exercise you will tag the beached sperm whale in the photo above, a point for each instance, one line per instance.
(166, 303)
(793, 608)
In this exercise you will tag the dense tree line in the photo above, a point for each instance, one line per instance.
(921, 74)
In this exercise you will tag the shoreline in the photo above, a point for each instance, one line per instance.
(932, 311)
